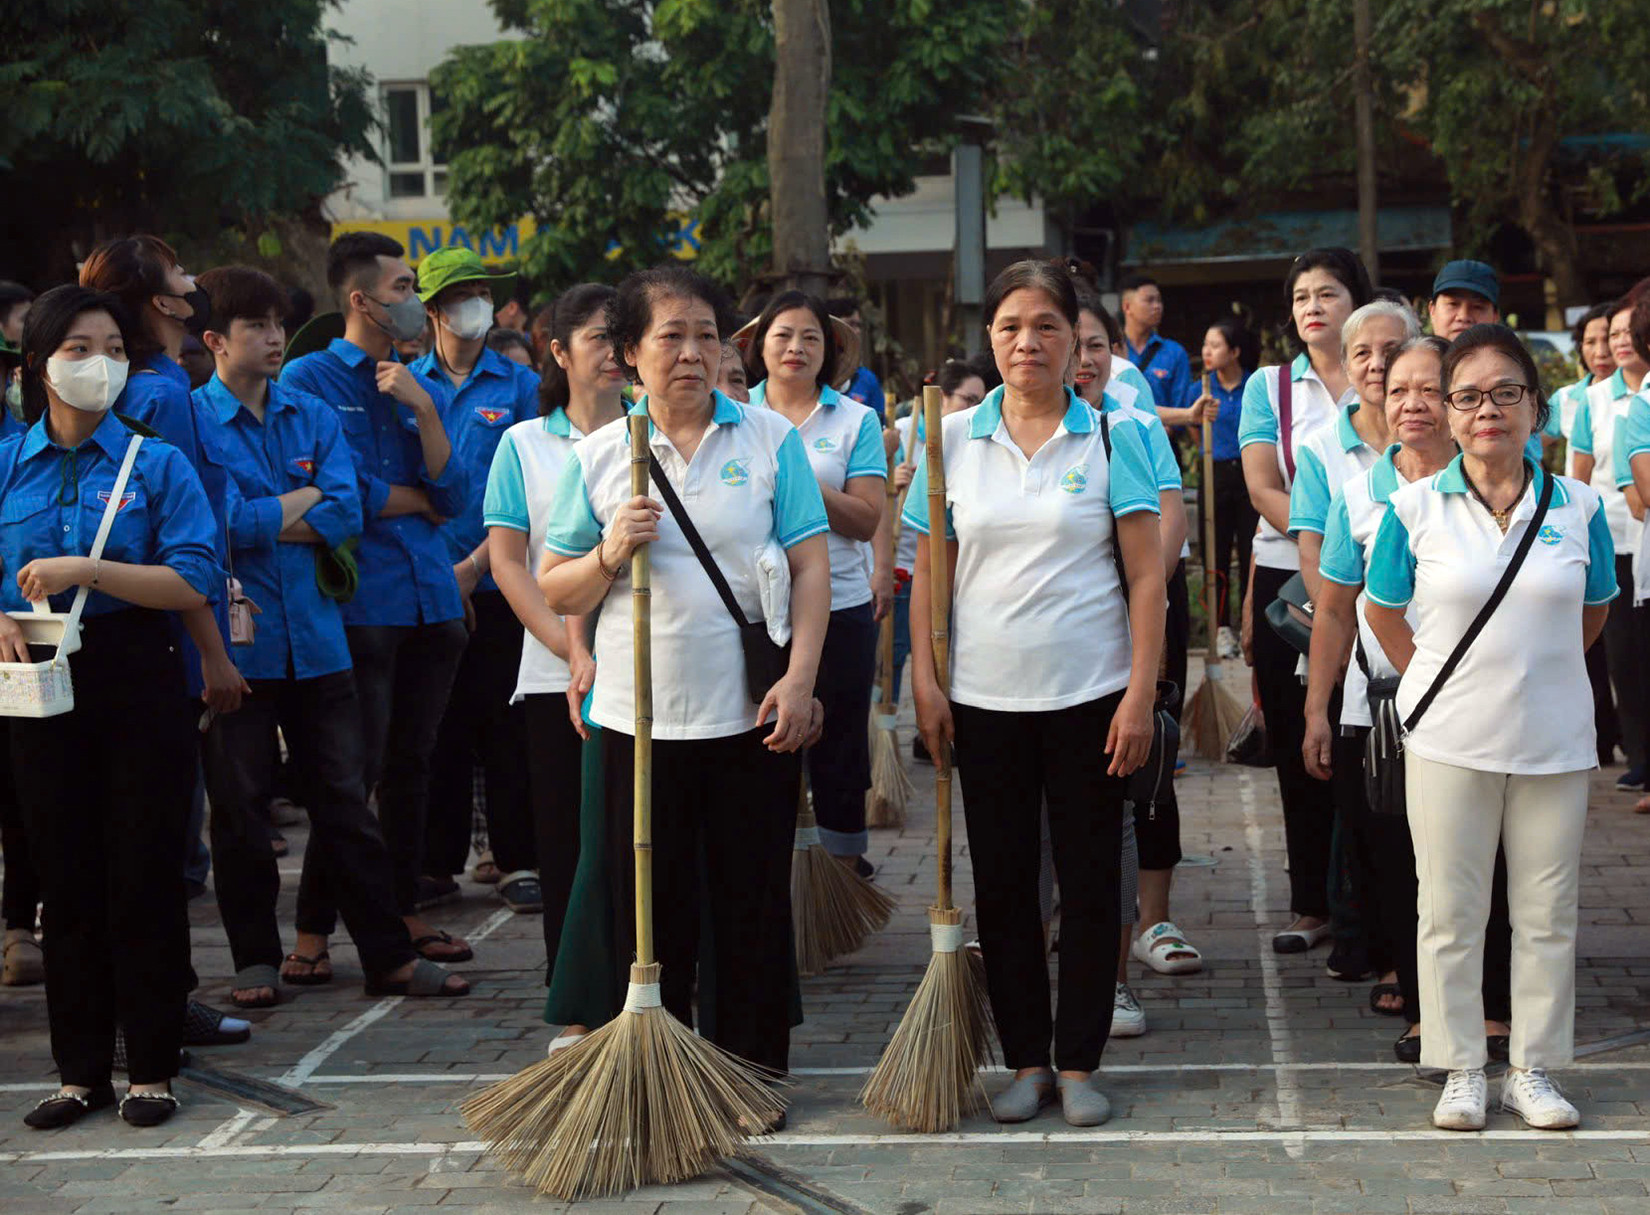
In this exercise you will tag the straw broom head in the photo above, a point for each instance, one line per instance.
(641, 1101)
(1213, 711)
(833, 909)
(926, 1080)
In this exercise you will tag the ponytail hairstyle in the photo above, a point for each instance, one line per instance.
(572, 310)
(135, 269)
(1236, 335)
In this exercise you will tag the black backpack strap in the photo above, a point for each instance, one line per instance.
(695, 541)
(1488, 610)
(1116, 548)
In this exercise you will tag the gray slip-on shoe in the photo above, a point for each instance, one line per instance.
(1021, 1100)
(1082, 1101)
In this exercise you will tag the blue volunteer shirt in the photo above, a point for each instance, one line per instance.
(867, 390)
(1223, 427)
(493, 397)
(52, 500)
(1167, 369)
(157, 394)
(300, 633)
(406, 572)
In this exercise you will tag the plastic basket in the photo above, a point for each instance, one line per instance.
(41, 689)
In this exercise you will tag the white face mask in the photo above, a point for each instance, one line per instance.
(93, 383)
(471, 319)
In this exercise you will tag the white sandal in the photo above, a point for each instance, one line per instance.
(1165, 950)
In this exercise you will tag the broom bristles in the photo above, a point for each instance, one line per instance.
(641, 1101)
(891, 788)
(928, 1078)
(833, 909)
(1212, 714)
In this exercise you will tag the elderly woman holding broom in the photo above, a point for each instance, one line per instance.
(1052, 655)
(733, 522)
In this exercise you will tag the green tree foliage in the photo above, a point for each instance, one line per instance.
(608, 116)
(181, 117)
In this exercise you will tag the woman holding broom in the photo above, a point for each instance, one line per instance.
(1051, 655)
(725, 768)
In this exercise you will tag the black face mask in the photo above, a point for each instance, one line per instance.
(200, 316)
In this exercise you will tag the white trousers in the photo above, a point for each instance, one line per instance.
(1456, 818)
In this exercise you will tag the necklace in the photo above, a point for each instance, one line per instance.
(1501, 517)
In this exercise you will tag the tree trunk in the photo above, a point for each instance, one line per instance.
(796, 144)
(1364, 106)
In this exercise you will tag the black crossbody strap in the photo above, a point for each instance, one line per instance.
(1116, 548)
(1488, 610)
(695, 540)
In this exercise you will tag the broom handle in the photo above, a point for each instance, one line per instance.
(939, 613)
(641, 610)
(1206, 499)
(885, 636)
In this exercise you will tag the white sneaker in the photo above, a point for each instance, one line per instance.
(1461, 1108)
(1534, 1097)
(1226, 643)
(1128, 1020)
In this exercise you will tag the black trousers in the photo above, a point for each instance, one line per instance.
(1308, 804)
(321, 720)
(839, 764)
(105, 797)
(1389, 895)
(20, 888)
(554, 754)
(1011, 765)
(403, 675)
(1157, 827)
(1604, 703)
(1627, 655)
(1235, 522)
(733, 802)
(481, 726)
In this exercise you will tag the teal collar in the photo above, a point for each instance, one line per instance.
(1453, 480)
(1618, 386)
(1299, 368)
(557, 422)
(988, 415)
(829, 397)
(1346, 432)
(727, 412)
(1383, 477)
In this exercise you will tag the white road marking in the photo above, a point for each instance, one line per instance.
(1277, 1014)
(232, 1126)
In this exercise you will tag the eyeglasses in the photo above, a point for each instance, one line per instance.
(1504, 396)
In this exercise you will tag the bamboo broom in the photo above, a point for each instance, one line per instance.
(926, 1079)
(891, 788)
(1213, 712)
(833, 909)
(642, 1100)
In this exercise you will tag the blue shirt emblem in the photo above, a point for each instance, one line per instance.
(1550, 534)
(735, 473)
(1076, 479)
(825, 444)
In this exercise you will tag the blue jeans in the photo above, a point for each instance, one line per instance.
(902, 635)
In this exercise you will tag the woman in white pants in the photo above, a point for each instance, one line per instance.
(1503, 752)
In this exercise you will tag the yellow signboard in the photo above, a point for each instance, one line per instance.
(422, 237)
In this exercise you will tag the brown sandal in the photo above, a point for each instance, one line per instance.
(315, 977)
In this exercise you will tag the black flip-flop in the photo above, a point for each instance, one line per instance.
(444, 939)
(314, 978)
(1385, 989)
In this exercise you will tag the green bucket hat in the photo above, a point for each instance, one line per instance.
(316, 334)
(448, 267)
(336, 574)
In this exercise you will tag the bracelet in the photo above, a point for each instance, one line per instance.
(611, 575)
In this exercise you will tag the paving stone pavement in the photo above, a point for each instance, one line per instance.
(1262, 1086)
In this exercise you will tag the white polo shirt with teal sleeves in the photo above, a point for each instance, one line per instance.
(1039, 621)
(1125, 374)
(1561, 420)
(1603, 407)
(527, 465)
(1310, 409)
(843, 440)
(905, 547)
(1130, 399)
(749, 483)
(1632, 439)
(1354, 514)
(1324, 463)
(1520, 702)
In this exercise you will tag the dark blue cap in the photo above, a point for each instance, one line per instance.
(1468, 276)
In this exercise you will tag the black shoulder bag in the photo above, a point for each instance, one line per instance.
(1153, 781)
(1384, 748)
(1290, 614)
(765, 661)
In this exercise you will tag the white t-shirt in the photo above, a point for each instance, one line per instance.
(843, 440)
(905, 547)
(1039, 621)
(1310, 408)
(529, 461)
(1520, 702)
(748, 485)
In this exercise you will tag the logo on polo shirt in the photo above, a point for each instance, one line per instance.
(825, 444)
(1550, 534)
(126, 499)
(735, 473)
(304, 465)
(489, 415)
(1076, 479)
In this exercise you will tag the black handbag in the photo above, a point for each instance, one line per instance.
(1384, 747)
(1290, 615)
(766, 661)
(1153, 781)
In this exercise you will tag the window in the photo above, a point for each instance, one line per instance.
(416, 170)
